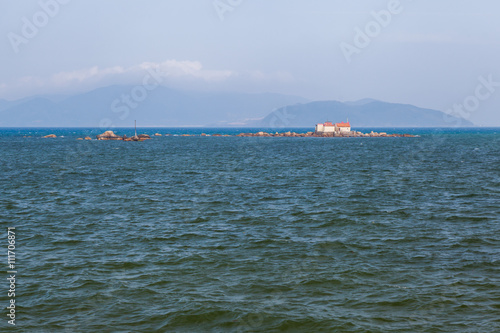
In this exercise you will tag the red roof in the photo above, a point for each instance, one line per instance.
(341, 124)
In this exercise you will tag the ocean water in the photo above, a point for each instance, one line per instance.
(229, 234)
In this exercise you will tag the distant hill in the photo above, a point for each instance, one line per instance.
(363, 113)
(161, 107)
(361, 101)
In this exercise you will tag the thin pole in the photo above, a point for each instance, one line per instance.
(135, 122)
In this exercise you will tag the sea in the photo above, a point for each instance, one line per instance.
(250, 234)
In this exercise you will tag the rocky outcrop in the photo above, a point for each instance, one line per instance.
(352, 134)
(133, 138)
(88, 138)
(157, 134)
(50, 136)
(109, 135)
(140, 137)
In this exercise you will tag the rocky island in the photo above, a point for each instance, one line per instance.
(327, 130)
(327, 135)
(322, 130)
(110, 135)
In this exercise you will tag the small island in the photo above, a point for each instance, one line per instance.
(322, 130)
(329, 129)
(109, 135)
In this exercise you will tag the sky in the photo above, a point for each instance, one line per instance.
(441, 54)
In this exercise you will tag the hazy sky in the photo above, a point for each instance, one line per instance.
(428, 53)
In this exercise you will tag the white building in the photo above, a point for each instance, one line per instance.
(343, 127)
(329, 127)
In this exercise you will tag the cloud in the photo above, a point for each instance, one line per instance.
(184, 74)
(186, 69)
(88, 78)
(85, 74)
(167, 69)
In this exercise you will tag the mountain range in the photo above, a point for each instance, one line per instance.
(362, 113)
(119, 106)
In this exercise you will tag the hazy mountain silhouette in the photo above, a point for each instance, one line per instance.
(114, 106)
(363, 113)
(161, 107)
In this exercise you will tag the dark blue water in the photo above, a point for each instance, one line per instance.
(230, 234)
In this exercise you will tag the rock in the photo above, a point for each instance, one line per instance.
(50, 136)
(80, 139)
(88, 138)
(109, 135)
